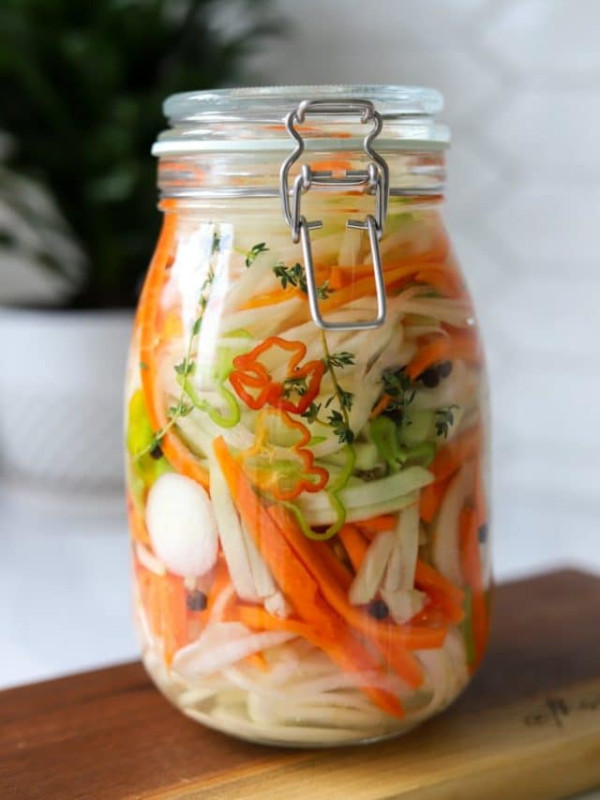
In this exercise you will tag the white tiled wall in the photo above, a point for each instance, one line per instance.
(522, 85)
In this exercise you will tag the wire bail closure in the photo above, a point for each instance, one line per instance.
(375, 177)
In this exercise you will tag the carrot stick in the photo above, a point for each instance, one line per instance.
(258, 661)
(472, 569)
(381, 634)
(431, 498)
(340, 572)
(453, 455)
(383, 522)
(295, 580)
(272, 298)
(381, 406)
(355, 545)
(219, 584)
(346, 653)
(137, 526)
(444, 348)
(429, 579)
(164, 601)
(174, 450)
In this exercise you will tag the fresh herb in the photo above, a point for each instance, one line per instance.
(340, 427)
(254, 252)
(398, 386)
(312, 412)
(341, 359)
(296, 276)
(444, 419)
(295, 385)
(346, 399)
(187, 366)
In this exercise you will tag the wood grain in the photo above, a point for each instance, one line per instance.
(529, 727)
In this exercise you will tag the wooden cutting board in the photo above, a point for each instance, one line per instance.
(528, 728)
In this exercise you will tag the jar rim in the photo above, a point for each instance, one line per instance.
(224, 119)
(271, 103)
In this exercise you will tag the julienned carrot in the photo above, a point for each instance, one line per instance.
(446, 280)
(453, 455)
(174, 450)
(164, 600)
(365, 287)
(347, 652)
(355, 545)
(137, 526)
(472, 570)
(382, 635)
(296, 581)
(340, 572)
(431, 498)
(381, 405)
(258, 661)
(383, 522)
(272, 298)
(444, 348)
(429, 579)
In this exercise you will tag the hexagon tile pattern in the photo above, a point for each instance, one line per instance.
(520, 80)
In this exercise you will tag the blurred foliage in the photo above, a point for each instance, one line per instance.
(84, 85)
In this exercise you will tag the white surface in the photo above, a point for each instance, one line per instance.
(61, 382)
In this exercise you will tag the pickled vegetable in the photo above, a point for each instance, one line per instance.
(305, 505)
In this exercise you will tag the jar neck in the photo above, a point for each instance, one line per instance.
(234, 174)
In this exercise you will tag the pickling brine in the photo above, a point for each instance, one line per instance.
(308, 506)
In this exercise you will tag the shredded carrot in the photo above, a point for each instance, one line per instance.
(272, 298)
(453, 455)
(472, 570)
(429, 579)
(382, 634)
(164, 600)
(431, 498)
(174, 450)
(137, 526)
(347, 652)
(355, 545)
(295, 579)
(381, 405)
(444, 348)
(340, 572)
(220, 583)
(383, 522)
(258, 661)
(446, 280)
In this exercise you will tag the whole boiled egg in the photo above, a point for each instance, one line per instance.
(182, 525)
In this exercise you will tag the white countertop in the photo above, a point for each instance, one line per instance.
(65, 585)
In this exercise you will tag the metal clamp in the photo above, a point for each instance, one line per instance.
(376, 178)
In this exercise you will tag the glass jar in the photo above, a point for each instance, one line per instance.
(306, 420)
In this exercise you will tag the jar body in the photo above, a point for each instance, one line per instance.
(308, 508)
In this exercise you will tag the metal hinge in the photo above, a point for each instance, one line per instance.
(375, 178)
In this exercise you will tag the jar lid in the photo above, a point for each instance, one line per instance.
(250, 119)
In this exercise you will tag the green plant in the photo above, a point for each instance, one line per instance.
(87, 83)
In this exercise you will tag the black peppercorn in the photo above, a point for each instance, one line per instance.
(379, 609)
(444, 369)
(430, 378)
(482, 533)
(156, 452)
(196, 601)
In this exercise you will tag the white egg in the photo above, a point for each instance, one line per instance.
(182, 525)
